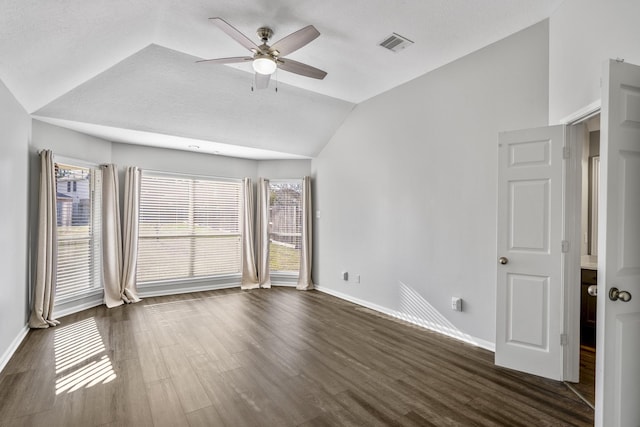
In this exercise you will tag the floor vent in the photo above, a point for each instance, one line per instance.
(395, 42)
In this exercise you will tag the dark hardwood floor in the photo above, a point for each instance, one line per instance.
(277, 357)
(586, 388)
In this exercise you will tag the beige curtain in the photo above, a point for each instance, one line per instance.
(111, 237)
(304, 277)
(130, 234)
(129, 293)
(262, 230)
(47, 251)
(249, 273)
(119, 287)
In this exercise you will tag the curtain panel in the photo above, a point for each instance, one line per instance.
(111, 237)
(262, 244)
(46, 258)
(130, 234)
(119, 246)
(304, 276)
(249, 271)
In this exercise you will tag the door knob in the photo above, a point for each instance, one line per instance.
(593, 290)
(615, 294)
(503, 260)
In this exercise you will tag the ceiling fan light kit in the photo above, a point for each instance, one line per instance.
(264, 64)
(266, 59)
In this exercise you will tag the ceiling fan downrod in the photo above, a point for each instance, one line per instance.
(265, 34)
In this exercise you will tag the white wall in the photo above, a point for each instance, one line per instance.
(583, 35)
(75, 145)
(14, 183)
(69, 144)
(186, 162)
(407, 188)
(284, 169)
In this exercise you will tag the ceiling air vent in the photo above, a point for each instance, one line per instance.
(395, 42)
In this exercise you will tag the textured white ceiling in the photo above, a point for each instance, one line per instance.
(164, 91)
(127, 64)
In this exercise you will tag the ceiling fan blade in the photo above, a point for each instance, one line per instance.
(235, 34)
(262, 81)
(231, 60)
(295, 41)
(299, 68)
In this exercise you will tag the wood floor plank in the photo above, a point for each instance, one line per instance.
(184, 379)
(314, 394)
(587, 385)
(89, 405)
(28, 355)
(214, 349)
(151, 361)
(13, 388)
(262, 358)
(362, 410)
(131, 404)
(230, 405)
(205, 417)
(287, 397)
(166, 409)
(255, 399)
(124, 342)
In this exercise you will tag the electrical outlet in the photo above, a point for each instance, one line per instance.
(350, 278)
(456, 304)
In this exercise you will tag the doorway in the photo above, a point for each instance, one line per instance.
(526, 297)
(588, 141)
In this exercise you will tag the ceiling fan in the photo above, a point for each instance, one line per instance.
(267, 58)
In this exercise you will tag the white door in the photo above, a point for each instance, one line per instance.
(618, 330)
(529, 314)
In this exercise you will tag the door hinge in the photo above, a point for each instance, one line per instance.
(564, 339)
(565, 246)
(566, 152)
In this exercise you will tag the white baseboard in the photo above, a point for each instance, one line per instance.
(159, 291)
(441, 329)
(75, 306)
(284, 285)
(13, 347)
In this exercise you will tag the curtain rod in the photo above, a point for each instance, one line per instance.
(158, 172)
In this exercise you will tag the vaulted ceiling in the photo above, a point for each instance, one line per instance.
(125, 70)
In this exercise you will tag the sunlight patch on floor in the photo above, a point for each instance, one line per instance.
(80, 357)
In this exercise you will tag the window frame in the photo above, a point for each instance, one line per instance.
(283, 276)
(62, 303)
(173, 285)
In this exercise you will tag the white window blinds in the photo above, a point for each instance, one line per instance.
(285, 226)
(79, 225)
(189, 227)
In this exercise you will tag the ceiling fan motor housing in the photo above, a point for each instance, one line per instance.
(264, 33)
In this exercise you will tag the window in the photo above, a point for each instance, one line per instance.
(79, 229)
(189, 227)
(285, 226)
